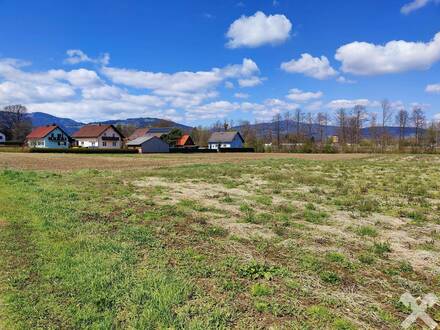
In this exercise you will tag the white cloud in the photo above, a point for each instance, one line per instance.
(314, 106)
(298, 95)
(310, 66)
(250, 82)
(241, 95)
(257, 30)
(76, 56)
(415, 5)
(348, 104)
(185, 81)
(434, 88)
(364, 58)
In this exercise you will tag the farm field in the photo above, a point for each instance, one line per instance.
(216, 241)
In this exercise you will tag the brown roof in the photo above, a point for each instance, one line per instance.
(41, 132)
(139, 132)
(93, 131)
(184, 140)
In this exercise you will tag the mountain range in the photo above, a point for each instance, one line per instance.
(70, 125)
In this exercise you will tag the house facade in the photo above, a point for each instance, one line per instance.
(225, 140)
(49, 136)
(149, 144)
(98, 136)
(2, 138)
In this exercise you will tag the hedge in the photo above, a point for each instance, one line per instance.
(191, 150)
(84, 151)
(237, 150)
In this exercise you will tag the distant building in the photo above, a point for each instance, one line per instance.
(98, 136)
(225, 140)
(2, 138)
(149, 144)
(185, 142)
(49, 136)
(150, 131)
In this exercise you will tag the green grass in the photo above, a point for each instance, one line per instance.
(89, 249)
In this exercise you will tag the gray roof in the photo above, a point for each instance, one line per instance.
(138, 141)
(224, 137)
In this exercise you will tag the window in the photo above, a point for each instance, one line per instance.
(104, 144)
(82, 143)
(114, 144)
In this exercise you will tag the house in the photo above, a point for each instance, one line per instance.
(150, 131)
(149, 144)
(98, 136)
(138, 133)
(185, 141)
(225, 140)
(49, 136)
(2, 138)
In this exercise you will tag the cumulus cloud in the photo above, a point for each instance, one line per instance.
(257, 30)
(415, 5)
(76, 56)
(298, 95)
(315, 67)
(347, 104)
(250, 82)
(434, 88)
(185, 81)
(364, 58)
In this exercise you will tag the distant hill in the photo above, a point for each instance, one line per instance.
(70, 125)
(263, 129)
(144, 122)
(41, 119)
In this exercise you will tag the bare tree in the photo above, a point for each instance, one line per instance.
(359, 115)
(387, 114)
(341, 119)
(322, 123)
(277, 123)
(402, 120)
(299, 117)
(15, 122)
(373, 128)
(309, 121)
(418, 120)
(287, 119)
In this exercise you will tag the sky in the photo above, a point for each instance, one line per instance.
(198, 61)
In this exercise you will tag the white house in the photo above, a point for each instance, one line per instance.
(98, 136)
(2, 138)
(225, 140)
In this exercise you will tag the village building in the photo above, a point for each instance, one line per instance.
(49, 136)
(225, 140)
(150, 131)
(2, 138)
(98, 136)
(149, 144)
(185, 141)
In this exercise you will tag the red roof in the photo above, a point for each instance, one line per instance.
(93, 131)
(185, 140)
(41, 132)
(139, 132)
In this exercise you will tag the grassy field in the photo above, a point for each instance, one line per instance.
(216, 241)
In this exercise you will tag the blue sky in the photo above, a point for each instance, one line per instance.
(201, 61)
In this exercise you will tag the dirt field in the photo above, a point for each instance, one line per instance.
(67, 162)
